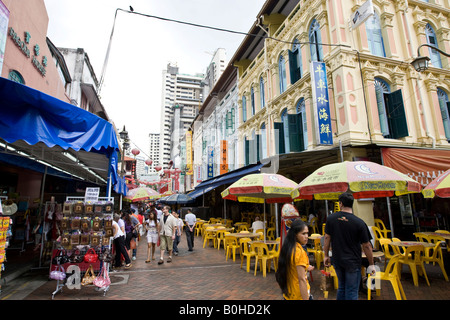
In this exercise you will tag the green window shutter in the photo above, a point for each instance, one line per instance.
(293, 66)
(294, 137)
(301, 137)
(247, 152)
(382, 112)
(396, 115)
(279, 137)
(258, 147)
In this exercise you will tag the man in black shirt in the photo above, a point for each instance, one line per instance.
(347, 233)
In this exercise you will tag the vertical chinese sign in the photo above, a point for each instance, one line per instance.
(223, 157)
(210, 162)
(189, 167)
(321, 103)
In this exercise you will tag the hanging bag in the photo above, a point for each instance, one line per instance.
(103, 280)
(60, 257)
(88, 277)
(58, 273)
(90, 256)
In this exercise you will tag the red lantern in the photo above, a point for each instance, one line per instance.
(135, 151)
(148, 162)
(158, 167)
(166, 171)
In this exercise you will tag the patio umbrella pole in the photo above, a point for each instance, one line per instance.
(390, 216)
(264, 204)
(276, 220)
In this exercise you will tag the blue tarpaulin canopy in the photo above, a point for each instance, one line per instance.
(51, 131)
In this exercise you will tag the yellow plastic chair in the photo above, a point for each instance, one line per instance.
(380, 225)
(264, 257)
(413, 257)
(232, 245)
(198, 228)
(323, 228)
(386, 248)
(276, 251)
(247, 252)
(435, 255)
(220, 237)
(270, 233)
(442, 231)
(261, 235)
(378, 236)
(390, 274)
(317, 251)
(210, 235)
(314, 225)
(423, 238)
(242, 227)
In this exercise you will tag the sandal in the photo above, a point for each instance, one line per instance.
(147, 261)
(161, 261)
(169, 259)
(128, 266)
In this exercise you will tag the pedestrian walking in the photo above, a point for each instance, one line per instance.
(167, 230)
(347, 233)
(178, 233)
(293, 263)
(119, 244)
(131, 224)
(191, 221)
(151, 225)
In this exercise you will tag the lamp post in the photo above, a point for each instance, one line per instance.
(125, 145)
(421, 63)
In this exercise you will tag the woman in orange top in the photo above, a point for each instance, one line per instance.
(293, 263)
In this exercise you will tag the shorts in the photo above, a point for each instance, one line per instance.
(166, 242)
(152, 237)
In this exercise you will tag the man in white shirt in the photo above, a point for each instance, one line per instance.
(257, 224)
(167, 229)
(191, 221)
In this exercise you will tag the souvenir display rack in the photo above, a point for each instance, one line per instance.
(5, 234)
(86, 227)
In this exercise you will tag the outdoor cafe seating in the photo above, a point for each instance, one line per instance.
(209, 236)
(435, 254)
(390, 274)
(380, 225)
(247, 252)
(413, 257)
(231, 244)
(263, 257)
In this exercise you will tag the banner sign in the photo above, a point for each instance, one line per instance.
(210, 162)
(190, 169)
(223, 157)
(321, 103)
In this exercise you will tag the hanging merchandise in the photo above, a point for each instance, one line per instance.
(84, 243)
(58, 274)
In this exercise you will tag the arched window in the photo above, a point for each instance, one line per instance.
(263, 146)
(444, 105)
(315, 40)
(432, 40)
(285, 121)
(262, 92)
(252, 100)
(301, 111)
(381, 87)
(374, 36)
(295, 62)
(244, 108)
(16, 76)
(282, 74)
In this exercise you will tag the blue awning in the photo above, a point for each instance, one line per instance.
(29, 117)
(226, 178)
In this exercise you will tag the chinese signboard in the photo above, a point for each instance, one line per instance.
(210, 162)
(321, 102)
(4, 19)
(223, 157)
(190, 169)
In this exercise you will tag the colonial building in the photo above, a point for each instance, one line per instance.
(319, 85)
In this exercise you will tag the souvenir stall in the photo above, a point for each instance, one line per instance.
(5, 229)
(69, 141)
(82, 255)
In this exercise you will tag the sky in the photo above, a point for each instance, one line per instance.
(142, 47)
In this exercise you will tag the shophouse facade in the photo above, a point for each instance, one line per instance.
(318, 89)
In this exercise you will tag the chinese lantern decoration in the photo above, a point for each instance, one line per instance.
(135, 151)
(148, 162)
(158, 167)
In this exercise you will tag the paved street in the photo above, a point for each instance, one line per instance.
(204, 274)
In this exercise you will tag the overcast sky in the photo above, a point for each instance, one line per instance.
(142, 47)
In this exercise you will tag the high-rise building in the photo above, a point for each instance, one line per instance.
(154, 143)
(181, 94)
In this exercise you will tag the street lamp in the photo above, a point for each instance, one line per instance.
(125, 145)
(421, 63)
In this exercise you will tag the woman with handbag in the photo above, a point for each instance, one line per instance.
(119, 244)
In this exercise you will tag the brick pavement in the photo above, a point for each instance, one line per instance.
(204, 274)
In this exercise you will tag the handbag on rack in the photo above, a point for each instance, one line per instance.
(90, 256)
(89, 208)
(58, 273)
(76, 257)
(78, 208)
(60, 257)
(106, 256)
(88, 277)
(103, 280)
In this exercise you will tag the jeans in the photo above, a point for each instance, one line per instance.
(349, 281)
(176, 241)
